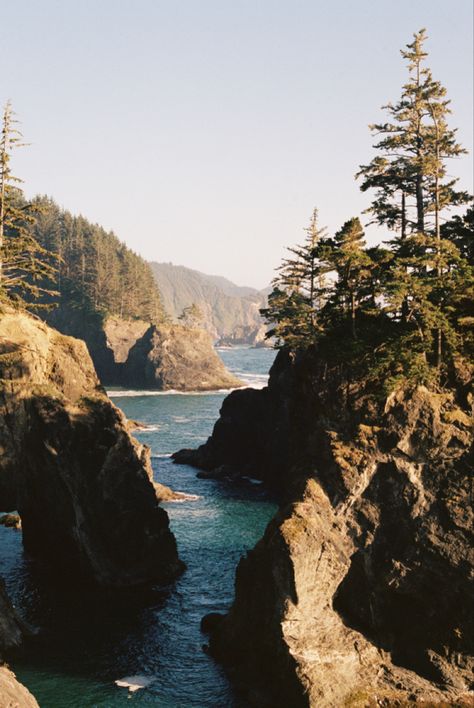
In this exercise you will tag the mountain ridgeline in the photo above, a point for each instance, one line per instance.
(230, 313)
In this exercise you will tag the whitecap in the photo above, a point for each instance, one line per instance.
(134, 683)
(147, 429)
(183, 497)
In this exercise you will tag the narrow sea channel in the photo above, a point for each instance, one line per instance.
(90, 640)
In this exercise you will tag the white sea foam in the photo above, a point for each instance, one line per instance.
(163, 455)
(129, 393)
(184, 497)
(147, 429)
(134, 683)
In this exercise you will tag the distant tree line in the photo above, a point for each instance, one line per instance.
(405, 310)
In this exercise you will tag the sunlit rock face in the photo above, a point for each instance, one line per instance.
(360, 589)
(80, 482)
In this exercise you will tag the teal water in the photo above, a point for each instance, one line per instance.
(90, 640)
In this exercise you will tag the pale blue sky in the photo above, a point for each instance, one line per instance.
(203, 132)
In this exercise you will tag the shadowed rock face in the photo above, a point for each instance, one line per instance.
(81, 484)
(360, 590)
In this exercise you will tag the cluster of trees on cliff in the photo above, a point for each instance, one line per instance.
(95, 270)
(49, 257)
(405, 309)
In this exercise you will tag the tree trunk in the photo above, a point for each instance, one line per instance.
(353, 316)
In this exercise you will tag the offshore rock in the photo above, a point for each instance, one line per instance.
(360, 592)
(173, 357)
(80, 483)
(134, 353)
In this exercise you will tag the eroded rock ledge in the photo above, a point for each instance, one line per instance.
(360, 592)
(81, 484)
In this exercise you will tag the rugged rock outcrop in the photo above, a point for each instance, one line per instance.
(251, 436)
(360, 591)
(246, 336)
(81, 484)
(134, 353)
(175, 357)
(12, 693)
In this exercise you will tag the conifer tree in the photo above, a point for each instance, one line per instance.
(346, 256)
(26, 268)
(192, 316)
(412, 190)
(298, 290)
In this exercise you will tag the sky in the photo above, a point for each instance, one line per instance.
(204, 132)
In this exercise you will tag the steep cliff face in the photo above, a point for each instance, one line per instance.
(359, 592)
(81, 484)
(175, 357)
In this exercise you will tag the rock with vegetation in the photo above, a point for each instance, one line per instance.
(173, 357)
(359, 592)
(80, 483)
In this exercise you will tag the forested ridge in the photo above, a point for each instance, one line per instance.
(96, 272)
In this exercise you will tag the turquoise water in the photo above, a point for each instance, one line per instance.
(90, 640)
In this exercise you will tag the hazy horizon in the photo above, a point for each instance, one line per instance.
(204, 134)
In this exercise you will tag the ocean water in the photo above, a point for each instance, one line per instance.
(89, 640)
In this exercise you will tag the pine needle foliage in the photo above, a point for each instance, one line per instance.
(26, 267)
(404, 310)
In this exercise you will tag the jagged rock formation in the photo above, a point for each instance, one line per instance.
(230, 313)
(175, 357)
(360, 592)
(134, 353)
(81, 484)
(246, 335)
(12, 693)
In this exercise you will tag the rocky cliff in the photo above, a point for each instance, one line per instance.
(134, 353)
(81, 484)
(175, 357)
(360, 592)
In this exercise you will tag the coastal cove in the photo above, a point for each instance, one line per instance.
(88, 641)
